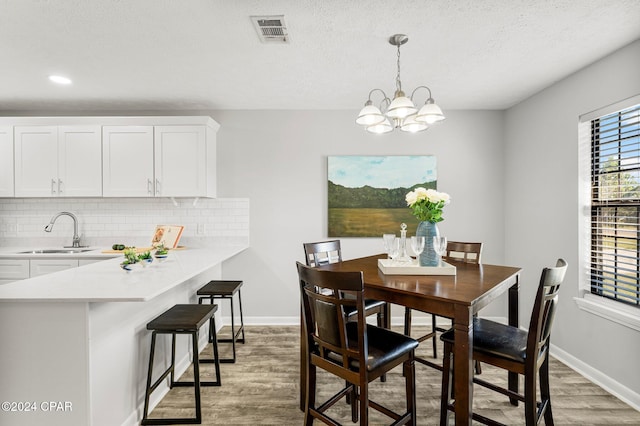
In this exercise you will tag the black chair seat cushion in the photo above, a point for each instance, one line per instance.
(368, 304)
(384, 346)
(495, 339)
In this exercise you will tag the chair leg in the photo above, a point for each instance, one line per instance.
(447, 380)
(382, 323)
(310, 403)
(353, 395)
(407, 321)
(435, 340)
(545, 395)
(364, 402)
(409, 372)
(530, 406)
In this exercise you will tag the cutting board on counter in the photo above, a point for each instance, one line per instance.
(141, 250)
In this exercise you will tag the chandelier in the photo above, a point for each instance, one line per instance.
(400, 112)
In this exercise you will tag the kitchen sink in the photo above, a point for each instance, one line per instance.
(57, 251)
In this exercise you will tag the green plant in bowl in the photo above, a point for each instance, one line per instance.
(130, 255)
(145, 258)
(130, 259)
(161, 249)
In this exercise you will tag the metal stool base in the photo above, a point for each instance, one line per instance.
(196, 383)
(234, 333)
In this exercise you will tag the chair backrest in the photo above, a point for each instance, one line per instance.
(322, 253)
(544, 309)
(466, 252)
(324, 297)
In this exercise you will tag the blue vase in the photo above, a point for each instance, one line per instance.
(428, 230)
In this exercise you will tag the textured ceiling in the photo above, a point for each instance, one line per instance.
(205, 54)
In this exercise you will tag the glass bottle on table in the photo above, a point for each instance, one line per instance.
(403, 257)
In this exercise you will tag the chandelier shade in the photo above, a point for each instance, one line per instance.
(370, 115)
(400, 112)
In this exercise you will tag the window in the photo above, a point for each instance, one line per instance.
(615, 206)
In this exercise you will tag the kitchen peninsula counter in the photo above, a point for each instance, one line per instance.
(74, 345)
(105, 281)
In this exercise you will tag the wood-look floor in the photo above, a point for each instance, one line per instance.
(262, 389)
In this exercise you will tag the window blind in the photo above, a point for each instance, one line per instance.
(615, 206)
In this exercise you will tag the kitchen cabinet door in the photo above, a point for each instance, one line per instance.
(36, 161)
(52, 161)
(6, 161)
(47, 266)
(127, 161)
(79, 161)
(180, 161)
(14, 269)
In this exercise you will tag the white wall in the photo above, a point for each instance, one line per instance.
(278, 159)
(541, 207)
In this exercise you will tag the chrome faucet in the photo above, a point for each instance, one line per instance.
(76, 238)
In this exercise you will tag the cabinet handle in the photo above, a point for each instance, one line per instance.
(59, 186)
(149, 184)
(53, 186)
(157, 186)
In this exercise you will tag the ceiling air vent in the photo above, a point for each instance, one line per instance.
(271, 29)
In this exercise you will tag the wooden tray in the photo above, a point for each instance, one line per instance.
(387, 267)
(142, 249)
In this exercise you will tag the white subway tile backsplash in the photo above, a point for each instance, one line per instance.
(104, 220)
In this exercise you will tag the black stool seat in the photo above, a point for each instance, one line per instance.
(220, 288)
(182, 319)
(226, 289)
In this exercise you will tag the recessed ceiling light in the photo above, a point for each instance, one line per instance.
(59, 79)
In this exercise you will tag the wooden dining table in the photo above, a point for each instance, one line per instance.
(458, 297)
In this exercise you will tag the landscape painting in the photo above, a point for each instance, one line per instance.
(366, 194)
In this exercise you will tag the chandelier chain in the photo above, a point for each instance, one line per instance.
(398, 82)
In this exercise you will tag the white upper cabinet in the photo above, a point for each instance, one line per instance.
(57, 161)
(127, 161)
(149, 156)
(158, 161)
(6, 161)
(79, 161)
(180, 161)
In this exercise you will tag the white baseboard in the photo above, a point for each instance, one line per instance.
(617, 389)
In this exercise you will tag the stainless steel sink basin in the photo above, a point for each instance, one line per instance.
(57, 251)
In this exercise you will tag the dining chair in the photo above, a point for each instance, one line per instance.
(355, 351)
(456, 251)
(326, 252)
(515, 350)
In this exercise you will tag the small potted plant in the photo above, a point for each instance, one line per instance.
(130, 259)
(145, 258)
(161, 252)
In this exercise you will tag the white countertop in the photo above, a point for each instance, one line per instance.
(27, 253)
(106, 282)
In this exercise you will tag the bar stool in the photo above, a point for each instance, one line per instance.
(182, 319)
(221, 289)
